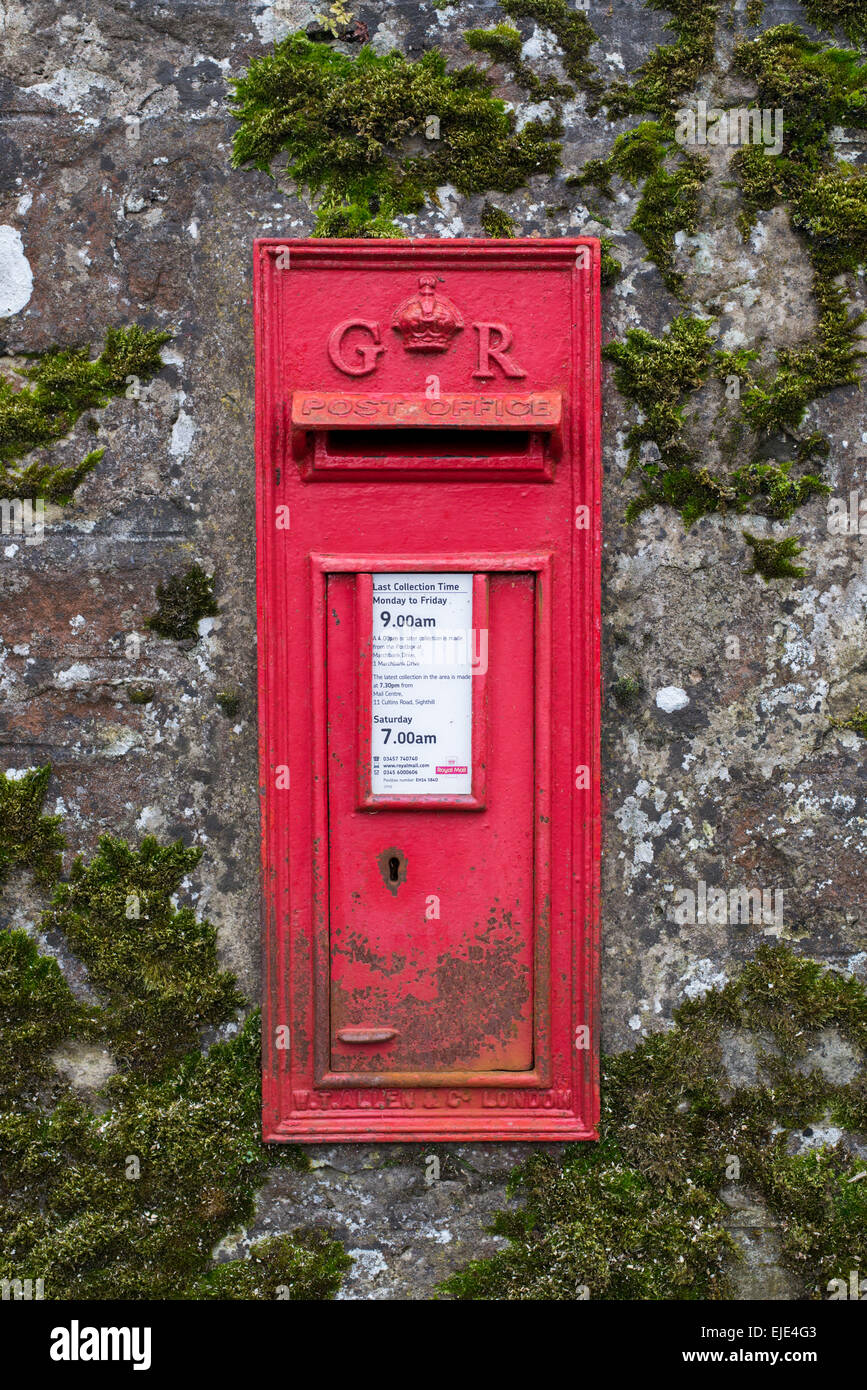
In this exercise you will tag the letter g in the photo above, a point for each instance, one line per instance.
(367, 352)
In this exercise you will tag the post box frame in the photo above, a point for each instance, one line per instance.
(303, 1098)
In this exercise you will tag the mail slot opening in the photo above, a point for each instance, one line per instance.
(427, 443)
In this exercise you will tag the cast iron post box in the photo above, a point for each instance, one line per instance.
(428, 556)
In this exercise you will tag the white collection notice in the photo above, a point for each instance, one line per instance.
(421, 736)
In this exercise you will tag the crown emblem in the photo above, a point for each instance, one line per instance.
(426, 320)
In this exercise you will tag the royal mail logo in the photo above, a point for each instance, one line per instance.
(427, 321)
(440, 770)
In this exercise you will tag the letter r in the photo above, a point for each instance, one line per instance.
(499, 350)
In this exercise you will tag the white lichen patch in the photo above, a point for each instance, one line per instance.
(16, 277)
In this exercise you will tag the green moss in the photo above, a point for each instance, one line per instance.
(140, 694)
(848, 15)
(308, 1264)
(658, 374)
(626, 690)
(182, 601)
(72, 1210)
(155, 966)
(502, 43)
(818, 88)
(229, 702)
(37, 1012)
(780, 493)
(572, 30)
(779, 400)
(639, 1215)
(856, 721)
(669, 204)
(611, 268)
(496, 222)
(128, 1201)
(774, 559)
(342, 124)
(755, 12)
(66, 382)
(669, 200)
(672, 69)
(27, 837)
(832, 213)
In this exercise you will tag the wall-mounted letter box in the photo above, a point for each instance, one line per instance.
(428, 555)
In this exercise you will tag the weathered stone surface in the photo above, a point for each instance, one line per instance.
(114, 171)
(405, 1227)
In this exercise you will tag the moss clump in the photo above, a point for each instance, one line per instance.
(27, 837)
(572, 30)
(140, 694)
(229, 702)
(774, 559)
(502, 43)
(832, 214)
(669, 200)
(818, 88)
(182, 601)
(658, 374)
(596, 1223)
(155, 966)
(768, 489)
(611, 269)
(755, 11)
(342, 124)
(496, 222)
(671, 69)
(778, 400)
(639, 1215)
(37, 1012)
(626, 690)
(66, 382)
(848, 15)
(856, 721)
(129, 1202)
(306, 1265)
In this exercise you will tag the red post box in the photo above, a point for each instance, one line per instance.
(428, 566)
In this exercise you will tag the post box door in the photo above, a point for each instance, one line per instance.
(431, 906)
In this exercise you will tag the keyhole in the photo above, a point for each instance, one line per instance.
(392, 865)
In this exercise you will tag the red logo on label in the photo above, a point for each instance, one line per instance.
(440, 770)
